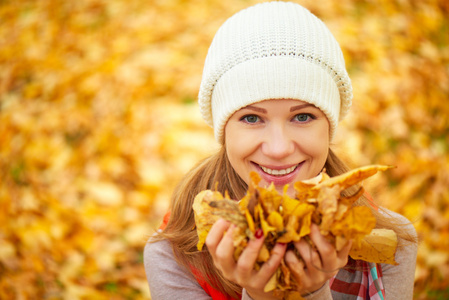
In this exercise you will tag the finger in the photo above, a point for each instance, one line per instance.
(215, 234)
(310, 256)
(344, 252)
(271, 265)
(225, 249)
(250, 253)
(326, 250)
(296, 266)
(331, 259)
(224, 253)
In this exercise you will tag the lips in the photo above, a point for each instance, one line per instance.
(279, 175)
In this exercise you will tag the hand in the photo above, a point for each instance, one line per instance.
(242, 272)
(317, 266)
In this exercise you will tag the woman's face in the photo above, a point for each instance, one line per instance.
(284, 141)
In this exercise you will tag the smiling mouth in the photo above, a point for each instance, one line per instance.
(281, 172)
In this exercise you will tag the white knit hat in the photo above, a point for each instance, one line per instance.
(273, 50)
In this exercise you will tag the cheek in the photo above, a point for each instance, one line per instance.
(239, 142)
(233, 151)
(320, 150)
(322, 141)
(317, 146)
(236, 159)
(237, 150)
(240, 147)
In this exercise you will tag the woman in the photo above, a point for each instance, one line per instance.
(274, 88)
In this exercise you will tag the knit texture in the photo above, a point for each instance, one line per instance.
(273, 50)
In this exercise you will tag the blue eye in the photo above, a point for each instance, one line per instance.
(303, 117)
(250, 119)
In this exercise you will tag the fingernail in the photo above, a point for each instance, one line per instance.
(259, 233)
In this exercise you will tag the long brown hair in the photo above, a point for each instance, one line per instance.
(217, 173)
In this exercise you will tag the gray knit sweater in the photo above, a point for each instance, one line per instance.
(168, 280)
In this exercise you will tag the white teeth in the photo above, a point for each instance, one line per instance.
(278, 172)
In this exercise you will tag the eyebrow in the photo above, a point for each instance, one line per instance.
(297, 107)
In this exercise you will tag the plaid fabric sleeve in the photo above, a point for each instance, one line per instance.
(358, 280)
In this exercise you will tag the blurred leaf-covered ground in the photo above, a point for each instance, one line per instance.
(98, 121)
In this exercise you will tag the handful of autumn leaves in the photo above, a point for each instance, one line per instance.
(285, 220)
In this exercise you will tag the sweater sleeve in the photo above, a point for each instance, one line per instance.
(399, 280)
(168, 280)
(324, 293)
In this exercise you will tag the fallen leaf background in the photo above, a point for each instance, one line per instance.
(98, 121)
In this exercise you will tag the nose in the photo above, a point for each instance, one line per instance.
(278, 142)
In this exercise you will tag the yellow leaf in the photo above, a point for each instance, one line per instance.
(270, 199)
(291, 227)
(345, 203)
(357, 223)
(327, 206)
(275, 219)
(250, 221)
(305, 225)
(294, 207)
(208, 207)
(352, 177)
(266, 227)
(378, 247)
(204, 219)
